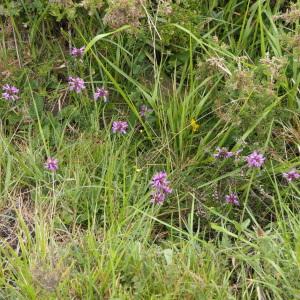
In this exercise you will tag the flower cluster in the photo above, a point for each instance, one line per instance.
(101, 93)
(51, 164)
(255, 160)
(119, 127)
(223, 153)
(160, 187)
(195, 125)
(145, 110)
(76, 84)
(77, 52)
(291, 175)
(232, 199)
(10, 92)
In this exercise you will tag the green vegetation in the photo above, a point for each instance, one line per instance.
(188, 77)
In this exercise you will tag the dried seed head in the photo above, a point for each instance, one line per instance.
(218, 63)
(124, 12)
(292, 14)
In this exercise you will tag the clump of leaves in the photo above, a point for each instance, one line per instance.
(10, 8)
(248, 91)
(186, 18)
(92, 6)
(124, 12)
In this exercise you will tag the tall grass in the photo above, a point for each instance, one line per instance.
(89, 231)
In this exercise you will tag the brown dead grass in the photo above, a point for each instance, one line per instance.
(14, 218)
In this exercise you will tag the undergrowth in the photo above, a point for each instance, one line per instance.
(149, 149)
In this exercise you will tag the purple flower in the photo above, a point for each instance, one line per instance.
(144, 110)
(10, 92)
(158, 197)
(51, 164)
(159, 180)
(160, 187)
(232, 199)
(119, 127)
(255, 160)
(77, 52)
(76, 84)
(291, 175)
(101, 93)
(223, 153)
(166, 189)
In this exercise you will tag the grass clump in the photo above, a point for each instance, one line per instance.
(149, 150)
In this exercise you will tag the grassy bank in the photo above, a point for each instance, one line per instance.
(149, 149)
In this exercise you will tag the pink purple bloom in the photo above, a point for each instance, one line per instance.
(255, 160)
(160, 187)
(76, 84)
(101, 93)
(119, 127)
(232, 199)
(144, 110)
(159, 180)
(158, 197)
(223, 153)
(291, 175)
(10, 92)
(51, 164)
(77, 52)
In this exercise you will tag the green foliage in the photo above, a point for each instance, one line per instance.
(212, 74)
(10, 8)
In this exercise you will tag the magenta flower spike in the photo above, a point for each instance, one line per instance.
(159, 180)
(10, 92)
(232, 199)
(291, 175)
(51, 164)
(255, 160)
(160, 187)
(223, 153)
(119, 127)
(158, 198)
(76, 84)
(101, 93)
(77, 52)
